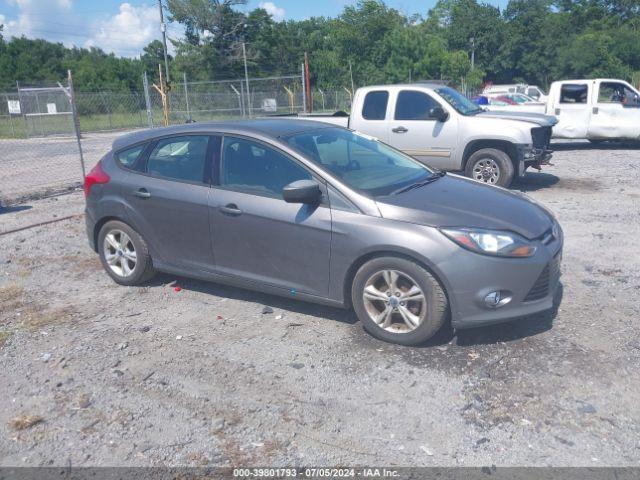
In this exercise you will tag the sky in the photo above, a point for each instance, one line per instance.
(124, 28)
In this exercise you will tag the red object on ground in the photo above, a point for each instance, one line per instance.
(177, 288)
(218, 317)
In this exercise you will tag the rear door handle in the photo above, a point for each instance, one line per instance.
(231, 209)
(142, 193)
(399, 130)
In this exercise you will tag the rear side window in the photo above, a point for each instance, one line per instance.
(375, 105)
(179, 158)
(127, 158)
(574, 93)
(413, 105)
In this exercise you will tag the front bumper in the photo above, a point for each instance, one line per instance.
(531, 283)
(532, 157)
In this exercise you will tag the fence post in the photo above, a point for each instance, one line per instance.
(246, 78)
(147, 100)
(22, 111)
(76, 121)
(13, 132)
(39, 111)
(304, 92)
(186, 95)
(243, 100)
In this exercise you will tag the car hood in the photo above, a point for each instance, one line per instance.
(539, 119)
(453, 201)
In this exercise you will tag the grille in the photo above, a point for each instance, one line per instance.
(547, 279)
(541, 136)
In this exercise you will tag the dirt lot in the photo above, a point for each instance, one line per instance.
(96, 374)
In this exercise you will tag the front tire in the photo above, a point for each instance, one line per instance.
(124, 254)
(490, 165)
(398, 301)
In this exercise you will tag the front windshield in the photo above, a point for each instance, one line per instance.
(360, 161)
(458, 101)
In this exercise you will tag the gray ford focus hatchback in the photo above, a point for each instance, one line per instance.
(323, 214)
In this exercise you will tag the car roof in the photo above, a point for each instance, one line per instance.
(274, 127)
(433, 84)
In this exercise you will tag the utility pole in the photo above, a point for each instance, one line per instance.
(308, 99)
(351, 75)
(473, 52)
(246, 77)
(163, 29)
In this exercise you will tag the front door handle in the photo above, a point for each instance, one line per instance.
(142, 193)
(595, 110)
(231, 209)
(399, 130)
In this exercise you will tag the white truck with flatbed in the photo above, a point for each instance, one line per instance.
(442, 128)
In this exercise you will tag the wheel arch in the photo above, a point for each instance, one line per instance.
(101, 223)
(507, 147)
(386, 252)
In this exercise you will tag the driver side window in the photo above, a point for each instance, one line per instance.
(251, 167)
(413, 105)
(613, 92)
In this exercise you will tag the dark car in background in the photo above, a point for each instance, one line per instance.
(320, 213)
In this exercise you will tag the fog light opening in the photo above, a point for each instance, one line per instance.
(497, 299)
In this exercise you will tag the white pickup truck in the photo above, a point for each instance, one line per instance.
(598, 110)
(442, 128)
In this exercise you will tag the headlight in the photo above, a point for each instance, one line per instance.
(491, 242)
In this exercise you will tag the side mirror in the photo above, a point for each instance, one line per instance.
(302, 191)
(439, 113)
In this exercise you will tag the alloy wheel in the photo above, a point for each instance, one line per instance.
(119, 253)
(394, 301)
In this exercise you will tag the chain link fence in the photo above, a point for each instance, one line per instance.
(45, 149)
(226, 99)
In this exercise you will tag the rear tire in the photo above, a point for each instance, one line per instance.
(398, 301)
(124, 254)
(490, 165)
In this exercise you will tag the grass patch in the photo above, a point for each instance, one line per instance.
(4, 336)
(11, 297)
(22, 422)
(34, 317)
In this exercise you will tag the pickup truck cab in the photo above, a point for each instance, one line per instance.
(443, 129)
(598, 109)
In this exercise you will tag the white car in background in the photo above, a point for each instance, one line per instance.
(532, 91)
(512, 102)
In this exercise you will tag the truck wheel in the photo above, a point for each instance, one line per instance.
(490, 165)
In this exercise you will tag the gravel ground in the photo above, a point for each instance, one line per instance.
(97, 374)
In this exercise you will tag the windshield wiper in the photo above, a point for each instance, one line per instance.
(435, 176)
